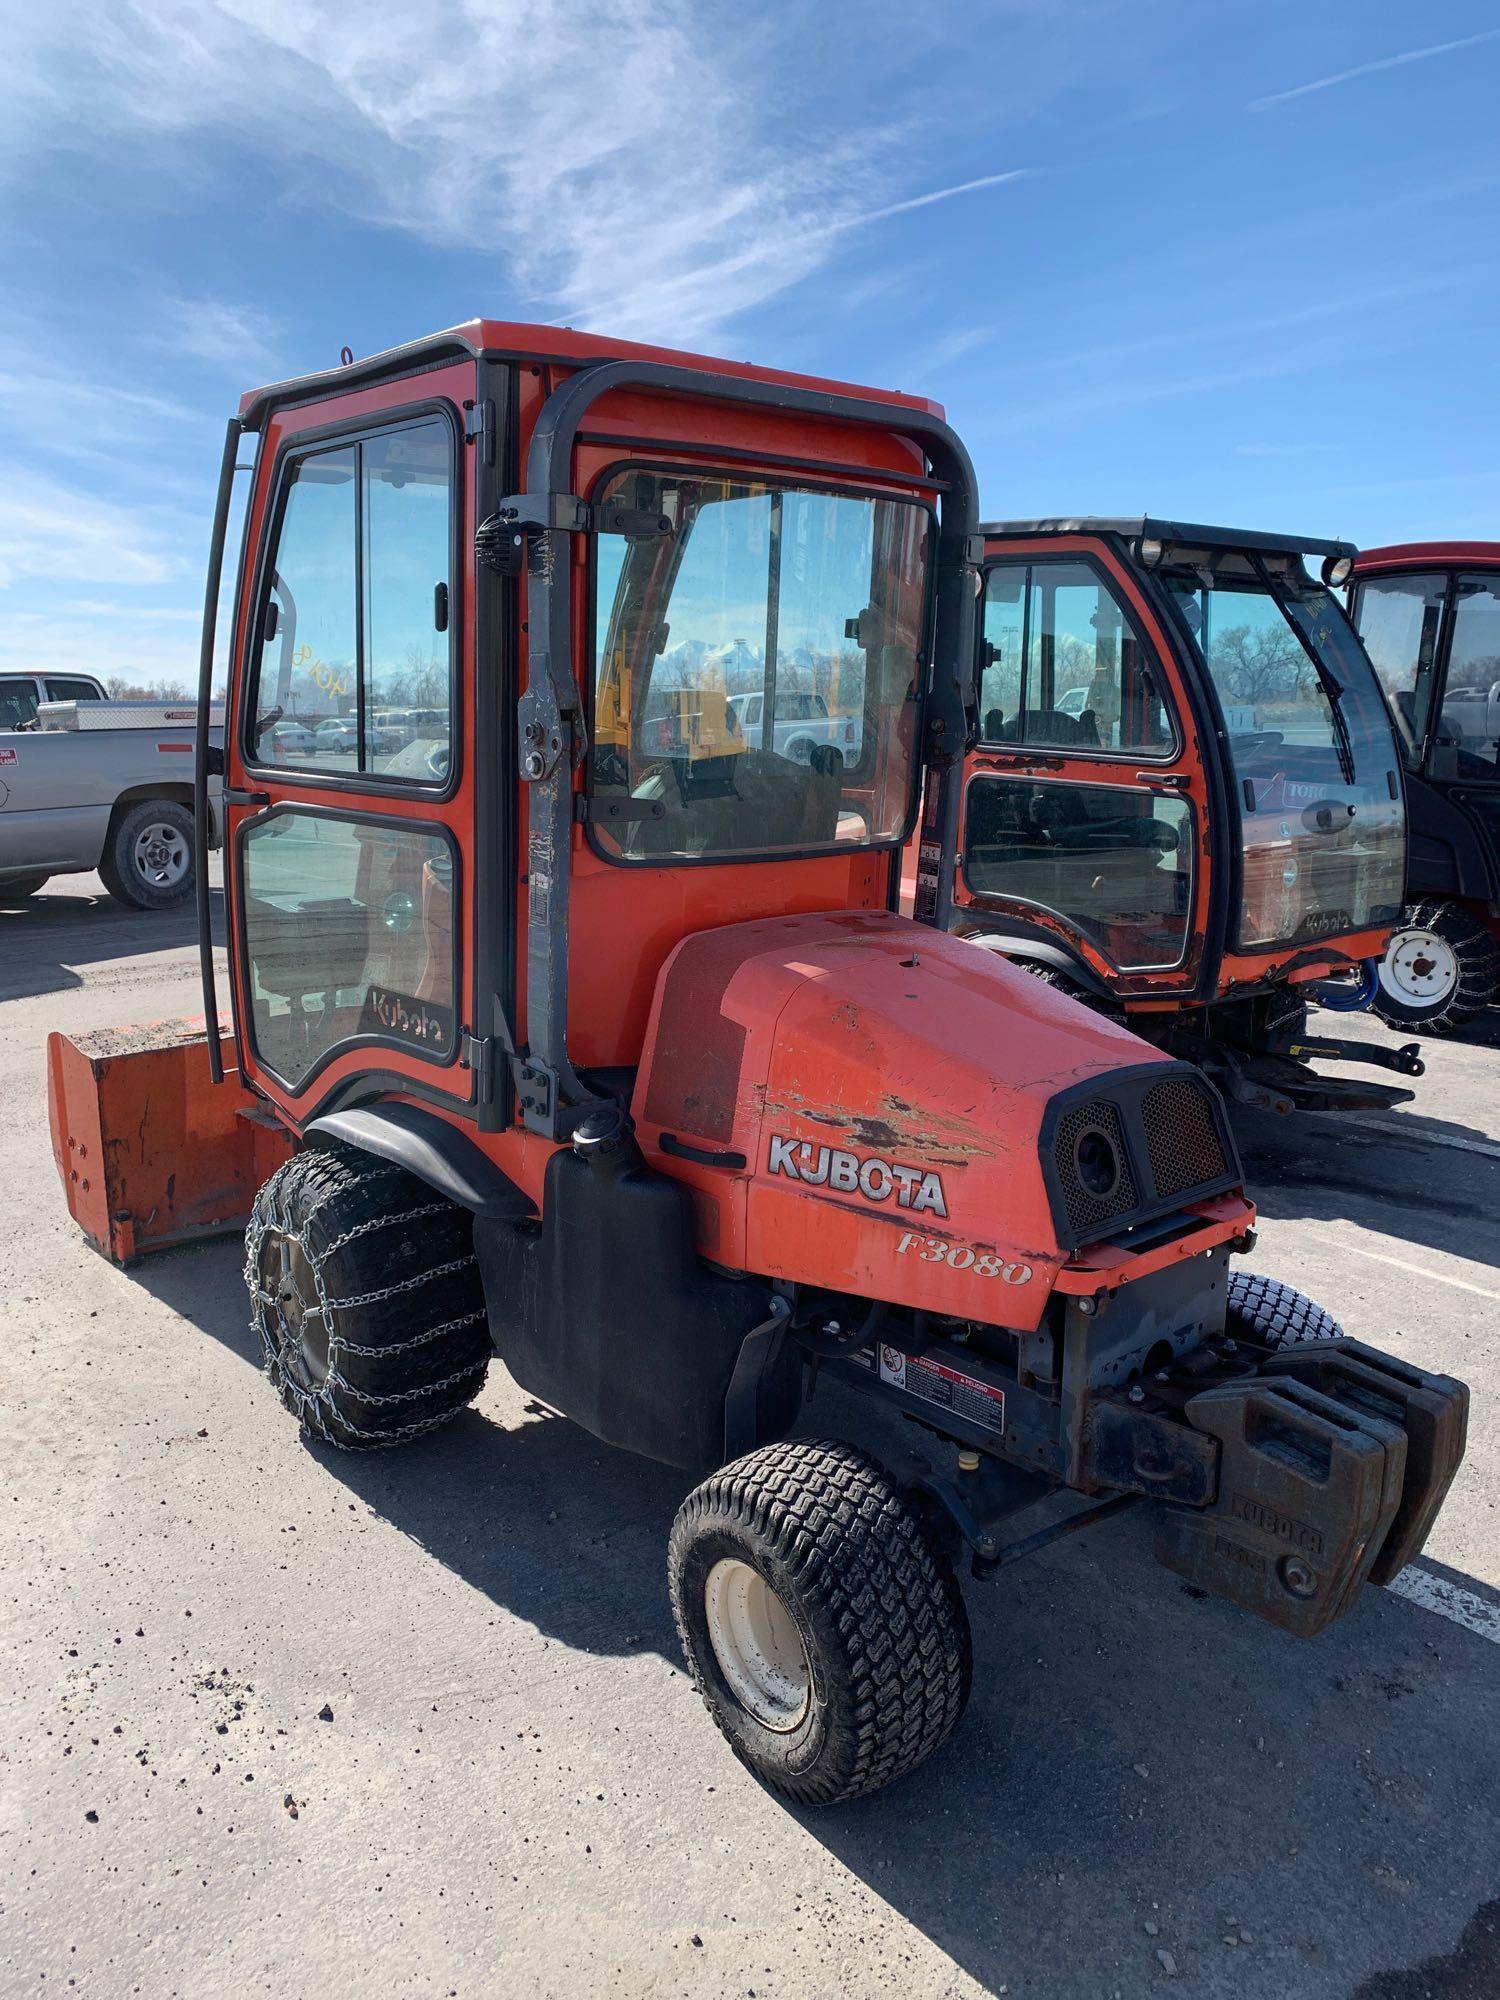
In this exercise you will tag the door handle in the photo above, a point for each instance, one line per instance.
(233, 796)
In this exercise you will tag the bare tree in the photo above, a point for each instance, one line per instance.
(1259, 663)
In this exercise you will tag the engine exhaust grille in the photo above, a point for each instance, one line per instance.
(1182, 1139)
(1094, 1194)
(1137, 1146)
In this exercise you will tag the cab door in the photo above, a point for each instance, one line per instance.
(348, 788)
(1085, 800)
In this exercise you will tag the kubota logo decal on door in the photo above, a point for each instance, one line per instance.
(915, 1188)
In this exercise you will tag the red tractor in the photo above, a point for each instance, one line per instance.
(603, 1049)
(1429, 614)
(1183, 804)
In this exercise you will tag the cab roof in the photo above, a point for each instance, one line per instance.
(510, 340)
(1429, 555)
(1187, 534)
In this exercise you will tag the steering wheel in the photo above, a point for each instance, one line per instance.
(439, 759)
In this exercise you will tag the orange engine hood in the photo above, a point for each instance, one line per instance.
(863, 1103)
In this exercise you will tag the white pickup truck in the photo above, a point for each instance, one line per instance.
(107, 785)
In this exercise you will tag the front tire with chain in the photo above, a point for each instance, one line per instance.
(1441, 968)
(366, 1294)
(822, 1625)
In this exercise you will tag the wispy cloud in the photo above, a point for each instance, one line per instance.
(941, 194)
(609, 148)
(1371, 69)
(150, 648)
(51, 530)
(234, 338)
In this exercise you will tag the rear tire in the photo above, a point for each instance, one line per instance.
(20, 889)
(147, 862)
(366, 1295)
(822, 1625)
(1440, 969)
(1271, 1314)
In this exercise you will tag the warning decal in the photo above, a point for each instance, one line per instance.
(8, 757)
(944, 1387)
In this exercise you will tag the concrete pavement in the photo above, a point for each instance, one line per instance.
(283, 1721)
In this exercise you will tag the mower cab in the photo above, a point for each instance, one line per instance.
(1184, 803)
(1429, 615)
(565, 956)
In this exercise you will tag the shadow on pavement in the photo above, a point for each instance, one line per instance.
(45, 940)
(1404, 1177)
(1135, 1754)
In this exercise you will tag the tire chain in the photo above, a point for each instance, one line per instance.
(311, 1406)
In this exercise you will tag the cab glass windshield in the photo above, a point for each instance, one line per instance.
(1314, 763)
(756, 668)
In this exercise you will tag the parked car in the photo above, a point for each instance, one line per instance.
(106, 785)
(21, 694)
(290, 738)
(339, 736)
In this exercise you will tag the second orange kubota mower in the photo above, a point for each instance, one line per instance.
(1183, 800)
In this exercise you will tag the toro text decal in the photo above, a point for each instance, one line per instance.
(876, 1179)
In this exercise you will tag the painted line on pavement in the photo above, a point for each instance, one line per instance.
(1422, 1271)
(1459, 1607)
(1394, 1129)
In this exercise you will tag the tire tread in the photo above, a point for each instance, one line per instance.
(1274, 1314)
(843, 1530)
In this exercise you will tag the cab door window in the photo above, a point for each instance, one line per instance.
(1114, 861)
(1466, 741)
(1398, 618)
(1066, 667)
(349, 937)
(1004, 650)
(354, 631)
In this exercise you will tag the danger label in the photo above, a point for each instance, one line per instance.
(944, 1387)
(7, 757)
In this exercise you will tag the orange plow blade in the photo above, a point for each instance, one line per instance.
(151, 1151)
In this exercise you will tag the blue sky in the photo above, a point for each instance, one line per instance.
(1228, 263)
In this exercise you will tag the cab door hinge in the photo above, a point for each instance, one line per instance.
(479, 425)
(477, 1053)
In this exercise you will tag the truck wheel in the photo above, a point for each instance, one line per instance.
(366, 1295)
(1273, 1315)
(822, 1626)
(19, 888)
(147, 862)
(1440, 968)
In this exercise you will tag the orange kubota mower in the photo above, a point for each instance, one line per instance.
(575, 1004)
(1184, 802)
